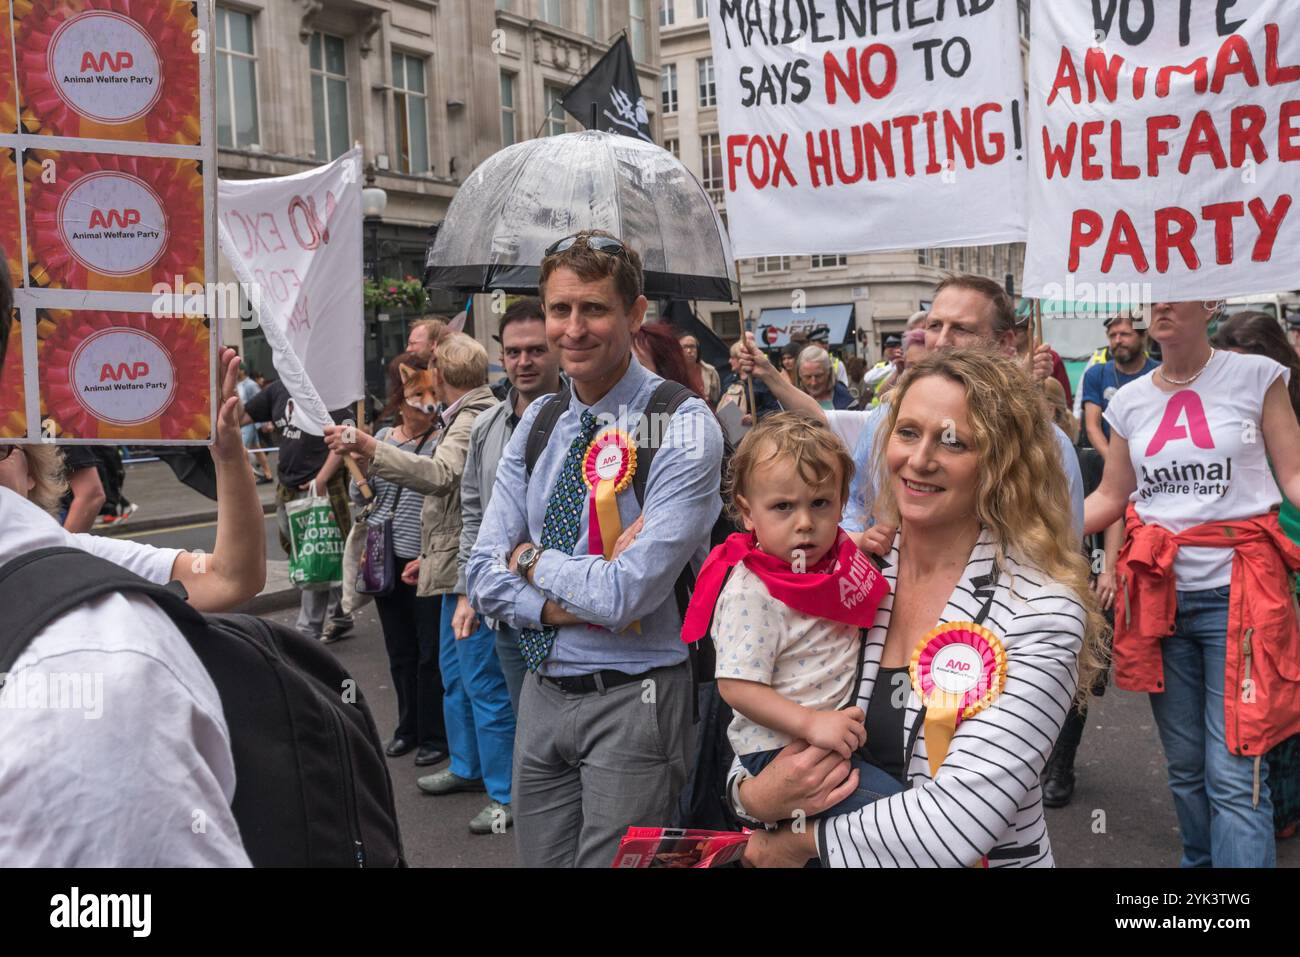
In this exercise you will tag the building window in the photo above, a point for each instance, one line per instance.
(236, 80)
(666, 13)
(668, 87)
(505, 4)
(711, 151)
(329, 95)
(509, 136)
(636, 14)
(701, 9)
(411, 114)
(829, 262)
(708, 89)
(552, 11)
(726, 324)
(766, 264)
(674, 146)
(924, 257)
(555, 122)
(593, 19)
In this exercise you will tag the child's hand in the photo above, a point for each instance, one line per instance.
(840, 731)
(878, 539)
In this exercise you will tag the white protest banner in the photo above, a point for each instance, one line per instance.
(107, 193)
(1165, 150)
(296, 242)
(860, 125)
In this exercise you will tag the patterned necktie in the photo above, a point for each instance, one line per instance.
(560, 530)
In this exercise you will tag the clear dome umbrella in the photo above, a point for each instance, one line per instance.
(525, 197)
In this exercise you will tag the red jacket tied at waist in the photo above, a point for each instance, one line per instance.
(1262, 670)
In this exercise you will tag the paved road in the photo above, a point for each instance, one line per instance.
(202, 536)
(1121, 816)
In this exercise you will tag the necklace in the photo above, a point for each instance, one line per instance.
(1172, 381)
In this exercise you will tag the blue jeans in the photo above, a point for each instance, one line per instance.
(476, 706)
(1212, 787)
(873, 783)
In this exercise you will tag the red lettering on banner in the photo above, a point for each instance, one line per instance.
(1234, 58)
(114, 62)
(1274, 73)
(1167, 237)
(1223, 215)
(1199, 69)
(1156, 147)
(123, 371)
(1124, 241)
(1085, 230)
(1202, 140)
(1060, 159)
(1269, 222)
(1088, 150)
(1288, 150)
(105, 220)
(997, 141)
(855, 74)
(1102, 72)
(1248, 123)
(1067, 78)
(1188, 403)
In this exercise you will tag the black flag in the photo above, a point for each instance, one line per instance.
(612, 88)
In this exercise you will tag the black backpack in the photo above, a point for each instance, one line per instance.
(312, 786)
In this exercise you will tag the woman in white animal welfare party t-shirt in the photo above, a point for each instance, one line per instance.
(1203, 620)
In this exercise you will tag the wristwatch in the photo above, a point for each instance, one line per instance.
(527, 559)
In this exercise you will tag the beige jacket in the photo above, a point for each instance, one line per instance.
(437, 478)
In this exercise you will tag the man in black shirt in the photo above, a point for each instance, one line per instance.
(85, 494)
(303, 459)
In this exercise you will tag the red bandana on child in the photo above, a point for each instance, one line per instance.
(845, 586)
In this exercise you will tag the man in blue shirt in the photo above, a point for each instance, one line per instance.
(1128, 361)
(604, 726)
(968, 311)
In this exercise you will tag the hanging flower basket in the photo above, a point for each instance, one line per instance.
(395, 295)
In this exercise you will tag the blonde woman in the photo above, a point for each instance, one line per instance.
(34, 472)
(969, 473)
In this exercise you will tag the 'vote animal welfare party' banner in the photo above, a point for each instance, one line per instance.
(1165, 149)
(107, 192)
(295, 241)
(856, 125)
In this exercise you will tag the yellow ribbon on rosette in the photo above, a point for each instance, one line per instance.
(607, 469)
(957, 671)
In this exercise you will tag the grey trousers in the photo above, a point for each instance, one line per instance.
(587, 767)
(512, 662)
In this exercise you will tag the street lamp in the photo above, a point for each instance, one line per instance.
(374, 200)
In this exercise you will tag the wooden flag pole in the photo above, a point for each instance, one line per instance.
(353, 468)
(744, 328)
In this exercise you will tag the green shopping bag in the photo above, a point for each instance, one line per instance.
(316, 542)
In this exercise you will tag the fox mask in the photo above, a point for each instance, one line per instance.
(417, 384)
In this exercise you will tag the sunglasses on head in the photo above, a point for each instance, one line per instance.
(6, 451)
(601, 244)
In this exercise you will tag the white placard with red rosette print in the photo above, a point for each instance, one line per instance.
(108, 178)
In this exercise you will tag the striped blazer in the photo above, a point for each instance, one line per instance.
(986, 798)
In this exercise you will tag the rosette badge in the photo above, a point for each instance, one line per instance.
(957, 670)
(109, 69)
(118, 375)
(106, 222)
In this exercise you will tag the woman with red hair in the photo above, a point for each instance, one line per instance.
(657, 348)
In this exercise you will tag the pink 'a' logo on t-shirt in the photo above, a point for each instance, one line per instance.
(1170, 429)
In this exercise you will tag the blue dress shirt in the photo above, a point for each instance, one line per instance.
(682, 503)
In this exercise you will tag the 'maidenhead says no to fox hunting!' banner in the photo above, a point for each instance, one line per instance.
(1165, 148)
(848, 127)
